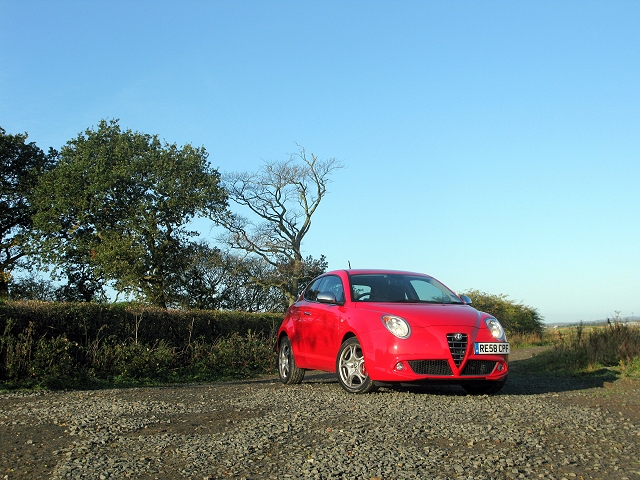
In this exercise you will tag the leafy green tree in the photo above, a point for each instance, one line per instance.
(285, 277)
(32, 287)
(21, 165)
(515, 317)
(121, 202)
(81, 285)
(218, 280)
(281, 198)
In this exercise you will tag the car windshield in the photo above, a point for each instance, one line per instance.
(405, 288)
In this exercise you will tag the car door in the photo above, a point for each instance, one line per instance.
(321, 324)
(300, 312)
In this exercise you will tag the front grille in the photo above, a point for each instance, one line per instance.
(479, 367)
(458, 347)
(430, 367)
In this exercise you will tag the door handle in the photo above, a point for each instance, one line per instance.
(307, 313)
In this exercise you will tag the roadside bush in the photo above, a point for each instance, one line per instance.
(15, 352)
(530, 339)
(235, 356)
(55, 357)
(71, 345)
(59, 363)
(606, 346)
(135, 361)
(575, 350)
(514, 317)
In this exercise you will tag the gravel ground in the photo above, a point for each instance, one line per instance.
(535, 428)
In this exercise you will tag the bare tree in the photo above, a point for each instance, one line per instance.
(282, 196)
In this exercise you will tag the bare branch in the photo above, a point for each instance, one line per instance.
(284, 195)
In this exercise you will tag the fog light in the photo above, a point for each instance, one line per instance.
(500, 367)
(399, 366)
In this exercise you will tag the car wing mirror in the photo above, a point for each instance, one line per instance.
(466, 299)
(327, 297)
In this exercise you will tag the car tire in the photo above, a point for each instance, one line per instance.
(484, 388)
(351, 370)
(288, 371)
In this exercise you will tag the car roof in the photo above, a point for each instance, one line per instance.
(374, 271)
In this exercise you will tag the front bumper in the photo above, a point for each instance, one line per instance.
(431, 355)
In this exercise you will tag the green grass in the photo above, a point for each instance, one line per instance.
(530, 339)
(600, 350)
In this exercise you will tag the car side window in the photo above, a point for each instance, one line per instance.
(312, 291)
(330, 283)
(333, 284)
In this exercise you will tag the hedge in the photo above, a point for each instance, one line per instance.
(83, 323)
(70, 345)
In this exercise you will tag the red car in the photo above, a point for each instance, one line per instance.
(377, 327)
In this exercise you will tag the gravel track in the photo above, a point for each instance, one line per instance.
(535, 428)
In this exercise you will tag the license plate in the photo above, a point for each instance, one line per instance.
(491, 348)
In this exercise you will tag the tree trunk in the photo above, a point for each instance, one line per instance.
(295, 280)
(4, 285)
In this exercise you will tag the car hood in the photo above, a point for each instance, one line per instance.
(427, 314)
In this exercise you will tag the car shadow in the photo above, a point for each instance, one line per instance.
(524, 379)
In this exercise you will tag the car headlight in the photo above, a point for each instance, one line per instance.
(495, 328)
(397, 326)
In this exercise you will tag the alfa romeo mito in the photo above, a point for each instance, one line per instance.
(380, 327)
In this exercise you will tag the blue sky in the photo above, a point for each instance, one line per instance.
(494, 145)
